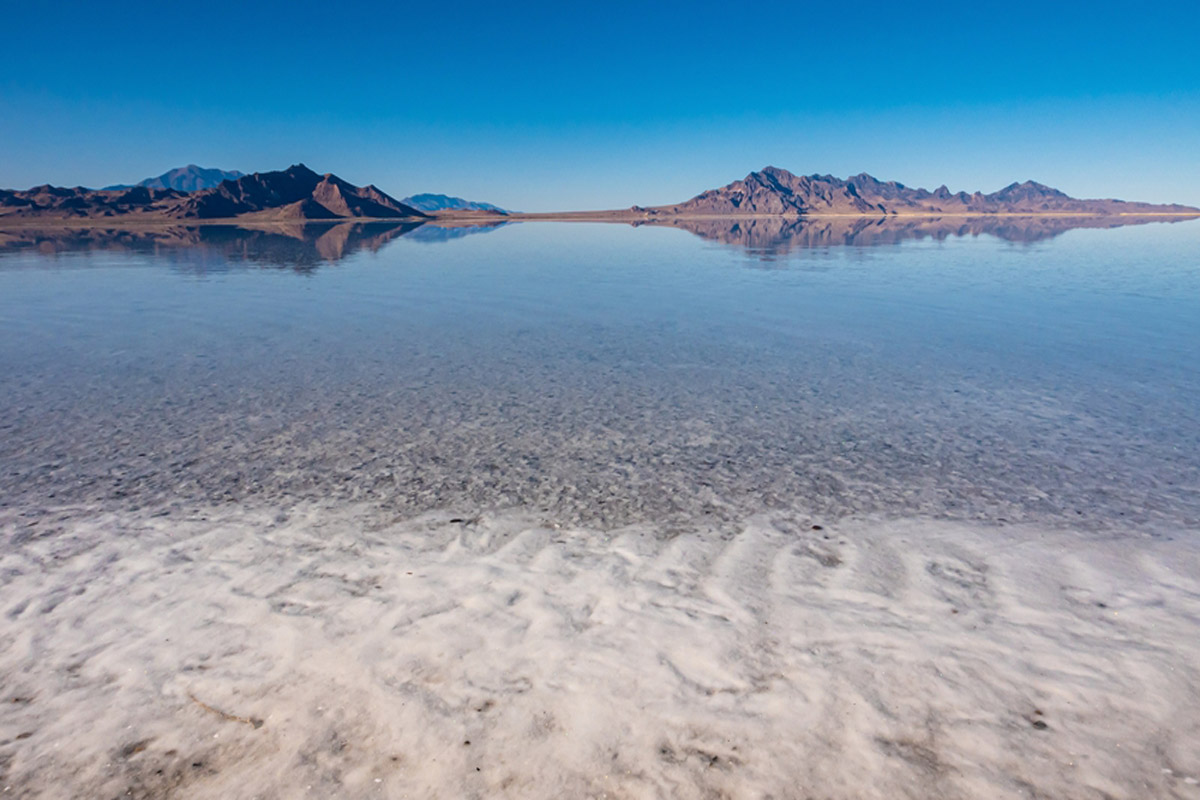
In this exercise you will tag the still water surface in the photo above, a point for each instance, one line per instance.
(610, 374)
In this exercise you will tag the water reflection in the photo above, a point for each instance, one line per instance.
(298, 246)
(774, 237)
(305, 246)
(436, 234)
(611, 374)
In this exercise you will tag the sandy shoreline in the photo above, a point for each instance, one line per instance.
(337, 652)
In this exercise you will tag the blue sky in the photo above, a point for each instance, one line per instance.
(601, 105)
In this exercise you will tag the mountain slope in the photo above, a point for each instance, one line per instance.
(296, 193)
(57, 202)
(186, 179)
(777, 192)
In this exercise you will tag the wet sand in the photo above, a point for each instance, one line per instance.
(340, 651)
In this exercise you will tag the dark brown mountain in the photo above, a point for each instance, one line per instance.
(296, 193)
(67, 203)
(299, 194)
(777, 192)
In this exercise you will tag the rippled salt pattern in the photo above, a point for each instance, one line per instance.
(610, 374)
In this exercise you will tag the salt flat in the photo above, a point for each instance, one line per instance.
(338, 652)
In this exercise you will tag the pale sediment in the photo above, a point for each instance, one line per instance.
(338, 652)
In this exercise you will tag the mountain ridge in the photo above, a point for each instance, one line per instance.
(773, 191)
(296, 193)
(300, 194)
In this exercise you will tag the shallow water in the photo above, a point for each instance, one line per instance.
(611, 374)
(836, 509)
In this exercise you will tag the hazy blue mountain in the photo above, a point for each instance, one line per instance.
(443, 202)
(186, 179)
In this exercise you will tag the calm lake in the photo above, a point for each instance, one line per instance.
(844, 508)
(609, 373)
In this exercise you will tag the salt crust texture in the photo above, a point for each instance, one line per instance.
(340, 652)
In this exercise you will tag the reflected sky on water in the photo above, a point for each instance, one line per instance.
(1003, 369)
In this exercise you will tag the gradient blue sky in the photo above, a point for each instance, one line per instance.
(541, 106)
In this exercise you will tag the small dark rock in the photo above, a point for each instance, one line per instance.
(133, 748)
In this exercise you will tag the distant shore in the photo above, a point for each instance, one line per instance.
(624, 216)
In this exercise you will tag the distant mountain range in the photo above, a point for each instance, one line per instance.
(777, 192)
(185, 179)
(296, 193)
(444, 202)
(300, 194)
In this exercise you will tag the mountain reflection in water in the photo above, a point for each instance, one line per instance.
(772, 237)
(305, 246)
(298, 246)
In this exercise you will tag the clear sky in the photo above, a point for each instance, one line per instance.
(545, 106)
